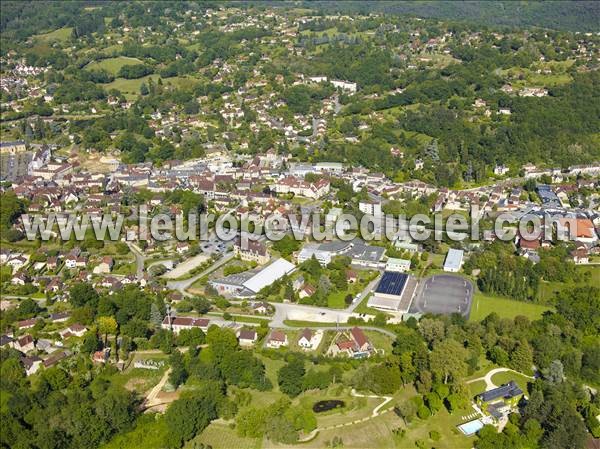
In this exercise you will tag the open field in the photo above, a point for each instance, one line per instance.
(112, 65)
(131, 88)
(60, 35)
(220, 436)
(484, 304)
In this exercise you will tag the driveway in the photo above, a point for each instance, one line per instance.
(489, 385)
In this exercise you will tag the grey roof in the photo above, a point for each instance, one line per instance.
(506, 391)
(453, 258)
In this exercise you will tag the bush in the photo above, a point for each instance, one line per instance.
(423, 412)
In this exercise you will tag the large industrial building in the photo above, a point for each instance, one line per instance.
(394, 292)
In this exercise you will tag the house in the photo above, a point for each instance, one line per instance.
(105, 266)
(101, 356)
(176, 324)
(55, 358)
(247, 337)
(27, 324)
(31, 364)
(501, 170)
(308, 340)
(20, 278)
(580, 254)
(71, 261)
(5, 340)
(510, 393)
(183, 247)
(24, 344)
(261, 307)
(370, 207)
(251, 251)
(306, 291)
(74, 330)
(277, 339)
(353, 344)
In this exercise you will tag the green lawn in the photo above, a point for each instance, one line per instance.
(476, 387)
(484, 304)
(113, 65)
(506, 376)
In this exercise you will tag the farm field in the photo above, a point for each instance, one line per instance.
(113, 65)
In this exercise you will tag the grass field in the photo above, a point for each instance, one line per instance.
(131, 88)
(221, 436)
(112, 65)
(60, 35)
(483, 305)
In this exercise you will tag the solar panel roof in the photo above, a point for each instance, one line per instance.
(392, 283)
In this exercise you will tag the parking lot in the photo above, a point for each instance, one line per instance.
(443, 294)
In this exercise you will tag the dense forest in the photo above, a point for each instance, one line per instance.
(565, 15)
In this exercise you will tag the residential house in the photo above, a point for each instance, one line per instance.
(105, 266)
(308, 340)
(247, 337)
(31, 364)
(277, 339)
(24, 344)
(176, 324)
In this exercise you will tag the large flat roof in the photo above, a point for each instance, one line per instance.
(392, 283)
(453, 258)
(268, 275)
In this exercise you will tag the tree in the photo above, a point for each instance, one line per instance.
(290, 377)
(156, 317)
(106, 325)
(90, 343)
(521, 359)
(82, 294)
(447, 360)
(188, 416)
(201, 304)
(178, 373)
(432, 330)
(221, 342)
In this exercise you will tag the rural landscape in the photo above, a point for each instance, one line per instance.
(299, 224)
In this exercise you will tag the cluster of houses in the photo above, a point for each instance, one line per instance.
(42, 352)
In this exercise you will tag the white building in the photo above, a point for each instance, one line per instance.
(454, 260)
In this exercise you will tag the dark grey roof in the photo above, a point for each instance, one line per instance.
(506, 391)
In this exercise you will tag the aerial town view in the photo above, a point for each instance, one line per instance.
(299, 224)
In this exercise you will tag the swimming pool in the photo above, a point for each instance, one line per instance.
(471, 427)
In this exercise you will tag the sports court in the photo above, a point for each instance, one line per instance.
(443, 294)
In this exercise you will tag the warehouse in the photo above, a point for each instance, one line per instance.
(394, 292)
